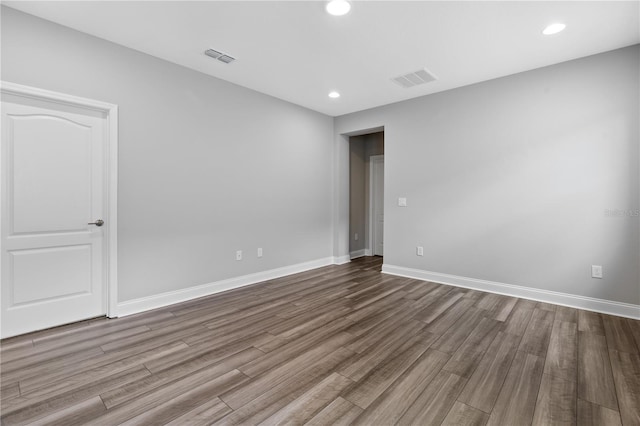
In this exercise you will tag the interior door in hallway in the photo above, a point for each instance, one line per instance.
(53, 162)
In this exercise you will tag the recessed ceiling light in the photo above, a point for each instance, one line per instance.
(338, 7)
(334, 94)
(554, 28)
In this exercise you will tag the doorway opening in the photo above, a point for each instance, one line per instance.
(366, 195)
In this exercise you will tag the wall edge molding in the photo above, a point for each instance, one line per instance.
(161, 300)
(610, 307)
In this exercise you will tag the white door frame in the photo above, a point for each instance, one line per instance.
(372, 243)
(110, 112)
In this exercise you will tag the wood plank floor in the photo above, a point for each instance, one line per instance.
(336, 345)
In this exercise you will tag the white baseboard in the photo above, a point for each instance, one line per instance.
(341, 260)
(620, 309)
(169, 298)
(358, 253)
(368, 252)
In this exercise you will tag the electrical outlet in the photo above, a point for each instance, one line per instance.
(355, 236)
(259, 251)
(596, 271)
(419, 251)
(239, 255)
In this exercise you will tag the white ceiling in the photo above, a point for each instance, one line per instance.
(295, 51)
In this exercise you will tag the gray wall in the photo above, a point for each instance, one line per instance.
(206, 167)
(506, 180)
(509, 180)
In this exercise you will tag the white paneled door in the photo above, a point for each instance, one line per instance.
(53, 182)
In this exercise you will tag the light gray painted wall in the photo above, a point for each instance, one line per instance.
(508, 180)
(374, 144)
(206, 167)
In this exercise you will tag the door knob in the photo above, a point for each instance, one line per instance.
(98, 222)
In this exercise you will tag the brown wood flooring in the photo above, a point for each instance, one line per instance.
(336, 345)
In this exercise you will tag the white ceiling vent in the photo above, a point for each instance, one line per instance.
(222, 57)
(414, 78)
